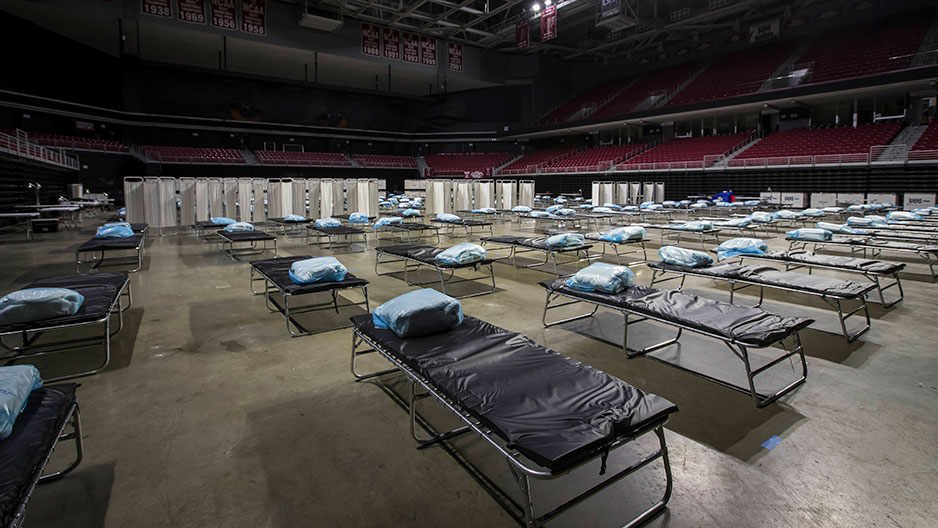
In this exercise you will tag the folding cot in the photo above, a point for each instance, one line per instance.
(479, 215)
(275, 274)
(332, 235)
(518, 244)
(740, 328)
(103, 293)
(51, 416)
(414, 257)
(345, 218)
(832, 291)
(289, 227)
(872, 248)
(96, 248)
(247, 240)
(207, 231)
(874, 270)
(675, 233)
(409, 231)
(615, 246)
(467, 224)
(546, 414)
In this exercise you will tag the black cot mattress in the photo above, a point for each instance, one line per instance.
(533, 242)
(463, 222)
(879, 244)
(107, 244)
(208, 224)
(412, 226)
(878, 267)
(245, 236)
(598, 237)
(285, 221)
(116, 279)
(97, 306)
(277, 271)
(337, 230)
(768, 276)
(748, 326)
(139, 228)
(25, 450)
(552, 409)
(427, 254)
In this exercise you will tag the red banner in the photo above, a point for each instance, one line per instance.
(191, 11)
(455, 56)
(254, 17)
(427, 51)
(224, 14)
(161, 8)
(522, 34)
(549, 23)
(392, 44)
(411, 48)
(371, 40)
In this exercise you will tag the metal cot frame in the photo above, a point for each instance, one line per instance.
(289, 312)
(833, 301)
(740, 350)
(96, 262)
(550, 255)
(451, 227)
(869, 250)
(227, 246)
(522, 469)
(412, 264)
(407, 235)
(615, 248)
(28, 337)
(672, 233)
(333, 238)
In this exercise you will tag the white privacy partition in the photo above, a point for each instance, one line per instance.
(258, 207)
(485, 194)
(659, 192)
(313, 194)
(596, 194)
(244, 200)
(635, 192)
(351, 195)
(215, 207)
(168, 216)
(152, 205)
(299, 197)
(526, 193)
(609, 192)
(201, 200)
(325, 197)
(439, 197)
(187, 201)
(622, 193)
(133, 199)
(506, 192)
(462, 196)
(338, 197)
(371, 207)
(286, 196)
(648, 191)
(279, 197)
(230, 190)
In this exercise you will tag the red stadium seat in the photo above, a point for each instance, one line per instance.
(688, 153)
(460, 164)
(318, 159)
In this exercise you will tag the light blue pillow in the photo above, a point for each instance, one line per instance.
(810, 234)
(358, 218)
(16, 383)
(410, 212)
(840, 228)
(602, 277)
(387, 220)
(695, 225)
(521, 209)
(787, 214)
(698, 205)
(833, 209)
(327, 222)
(553, 208)
(294, 218)
(319, 269)
(221, 220)
(538, 214)
(812, 212)
(684, 257)
(114, 231)
(623, 234)
(602, 210)
(901, 216)
(38, 304)
(239, 227)
(122, 211)
(465, 253)
(487, 210)
(736, 222)
(447, 217)
(565, 212)
(741, 246)
(419, 313)
(761, 216)
(566, 240)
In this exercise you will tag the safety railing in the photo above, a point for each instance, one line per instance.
(19, 146)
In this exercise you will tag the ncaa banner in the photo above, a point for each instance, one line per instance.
(411, 47)
(549, 23)
(427, 51)
(224, 14)
(254, 17)
(522, 35)
(392, 44)
(160, 8)
(192, 11)
(455, 56)
(371, 40)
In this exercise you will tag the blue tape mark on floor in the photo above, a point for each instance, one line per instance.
(772, 442)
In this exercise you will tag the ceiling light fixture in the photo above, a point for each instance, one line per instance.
(536, 7)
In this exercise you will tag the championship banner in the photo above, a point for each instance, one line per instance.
(411, 48)
(522, 35)
(764, 31)
(160, 8)
(254, 17)
(392, 44)
(455, 56)
(224, 14)
(371, 40)
(191, 11)
(427, 51)
(610, 9)
(549, 23)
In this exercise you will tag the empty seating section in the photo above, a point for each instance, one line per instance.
(75, 142)
(658, 83)
(738, 73)
(600, 158)
(460, 164)
(529, 163)
(929, 138)
(857, 51)
(686, 153)
(593, 97)
(283, 157)
(381, 160)
(820, 145)
(193, 155)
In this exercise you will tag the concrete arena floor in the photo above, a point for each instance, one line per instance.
(211, 415)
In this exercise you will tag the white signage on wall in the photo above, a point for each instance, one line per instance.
(916, 200)
(850, 198)
(796, 200)
(821, 200)
(770, 197)
(889, 198)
